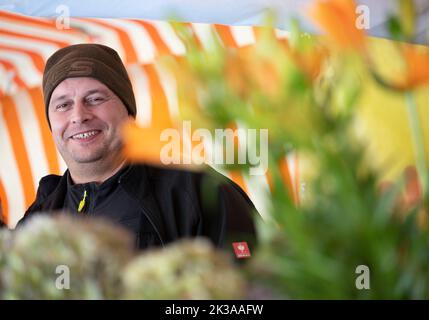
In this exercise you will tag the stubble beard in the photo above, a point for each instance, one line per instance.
(93, 160)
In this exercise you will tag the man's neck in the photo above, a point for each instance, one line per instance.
(92, 173)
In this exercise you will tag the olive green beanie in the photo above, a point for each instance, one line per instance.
(89, 60)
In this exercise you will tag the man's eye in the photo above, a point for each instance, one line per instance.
(95, 100)
(61, 106)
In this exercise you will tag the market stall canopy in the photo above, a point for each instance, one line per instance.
(238, 12)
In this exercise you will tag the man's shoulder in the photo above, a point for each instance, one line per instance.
(47, 185)
(50, 179)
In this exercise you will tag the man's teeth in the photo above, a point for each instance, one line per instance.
(85, 135)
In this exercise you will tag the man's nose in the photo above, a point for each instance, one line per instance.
(80, 113)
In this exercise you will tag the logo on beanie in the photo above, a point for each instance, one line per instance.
(81, 68)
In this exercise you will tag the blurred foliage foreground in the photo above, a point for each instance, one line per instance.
(61, 257)
(363, 160)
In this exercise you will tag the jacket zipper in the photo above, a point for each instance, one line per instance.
(82, 202)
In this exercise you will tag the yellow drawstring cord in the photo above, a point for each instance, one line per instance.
(82, 202)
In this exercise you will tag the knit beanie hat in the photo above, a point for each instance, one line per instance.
(89, 60)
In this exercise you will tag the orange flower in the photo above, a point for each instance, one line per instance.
(410, 196)
(413, 191)
(245, 72)
(286, 178)
(413, 195)
(142, 144)
(417, 67)
(309, 61)
(161, 143)
(338, 19)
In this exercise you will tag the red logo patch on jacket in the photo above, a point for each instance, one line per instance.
(241, 249)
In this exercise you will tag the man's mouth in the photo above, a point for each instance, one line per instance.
(85, 135)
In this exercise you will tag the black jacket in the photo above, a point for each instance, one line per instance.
(177, 204)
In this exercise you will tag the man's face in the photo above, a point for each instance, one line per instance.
(85, 118)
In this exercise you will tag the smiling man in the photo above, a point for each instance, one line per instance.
(88, 96)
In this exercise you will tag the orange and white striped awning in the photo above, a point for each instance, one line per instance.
(27, 151)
